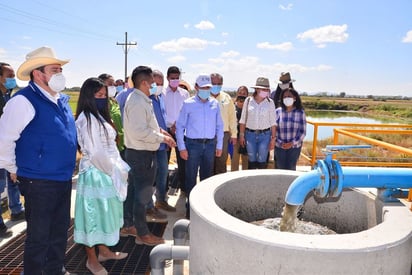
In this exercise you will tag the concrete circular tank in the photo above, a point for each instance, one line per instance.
(374, 237)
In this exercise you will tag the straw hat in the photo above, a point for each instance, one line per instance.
(185, 84)
(262, 83)
(40, 57)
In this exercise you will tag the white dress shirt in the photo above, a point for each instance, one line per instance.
(173, 104)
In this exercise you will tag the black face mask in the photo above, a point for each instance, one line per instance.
(101, 104)
(240, 98)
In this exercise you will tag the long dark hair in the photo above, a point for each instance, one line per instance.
(87, 103)
(297, 103)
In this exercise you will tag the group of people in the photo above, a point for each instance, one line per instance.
(125, 137)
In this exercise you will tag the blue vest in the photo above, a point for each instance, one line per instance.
(47, 146)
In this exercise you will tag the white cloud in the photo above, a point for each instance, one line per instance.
(288, 7)
(286, 46)
(2, 52)
(186, 26)
(408, 37)
(176, 59)
(205, 25)
(184, 44)
(229, 54)
(326, 34)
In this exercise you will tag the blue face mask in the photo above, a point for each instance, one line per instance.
(153, 88)
(119, 88)
(101, 104)
(10, 83)
(203, 94)
(216, 89)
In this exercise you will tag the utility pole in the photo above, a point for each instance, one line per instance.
(126, 50)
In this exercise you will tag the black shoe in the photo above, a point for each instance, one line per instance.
(17, 217)
(5, 232)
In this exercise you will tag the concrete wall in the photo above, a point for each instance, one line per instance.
(222, 242)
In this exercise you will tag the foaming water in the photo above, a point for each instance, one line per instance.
(290, 223)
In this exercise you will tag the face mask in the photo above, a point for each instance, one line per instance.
(216, 89)
(119, 88)
(10, 83)
(174, 83)
(203, 94)
(284, 86)
(263, 94)
(288, 101)
(101, 104)
(57, 82)
(153, 88)
(159, 90)
(111, 91)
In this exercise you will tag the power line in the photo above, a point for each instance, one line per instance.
(126, 50)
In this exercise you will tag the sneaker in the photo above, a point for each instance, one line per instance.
(165, 206)
(128, 231)
(18, 216)
(149, 239)
(154, 215)
(5, 232)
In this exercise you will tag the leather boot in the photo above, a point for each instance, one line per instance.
(261, 165)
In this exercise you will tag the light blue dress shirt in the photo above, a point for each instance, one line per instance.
(199, 120)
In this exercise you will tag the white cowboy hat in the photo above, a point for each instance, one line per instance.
(40, 57)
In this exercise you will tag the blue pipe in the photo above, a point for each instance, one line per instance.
(346, 177)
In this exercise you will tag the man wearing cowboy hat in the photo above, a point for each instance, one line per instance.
(38, 147)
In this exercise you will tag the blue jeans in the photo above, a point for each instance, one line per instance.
(13, 193)
(47, 212)
(257, 145)
(161, 177)
(143, 166)
(201, 159)
(287, 159)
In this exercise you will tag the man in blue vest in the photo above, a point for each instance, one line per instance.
(38, 148)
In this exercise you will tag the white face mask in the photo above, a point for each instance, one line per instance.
(284, 86)
(159, 90)
(111, 91)
(57, 82)
(288, 101)
(263, 94)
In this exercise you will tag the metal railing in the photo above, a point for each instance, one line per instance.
(352, 130)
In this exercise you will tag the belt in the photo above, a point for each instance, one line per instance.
(258, 131)
(201, 140)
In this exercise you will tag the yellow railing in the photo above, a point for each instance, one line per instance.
(351, 130)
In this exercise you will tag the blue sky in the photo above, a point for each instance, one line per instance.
(357, 47)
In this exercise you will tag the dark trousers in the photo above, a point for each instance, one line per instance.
(181, 163)
(221, 162)
(47, 210)
(142, 174)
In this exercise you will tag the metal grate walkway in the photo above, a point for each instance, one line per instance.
(11, 255)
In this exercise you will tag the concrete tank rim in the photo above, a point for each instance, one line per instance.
(202, 202)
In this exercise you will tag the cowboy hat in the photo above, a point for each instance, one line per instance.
(38, 58)
(262, 83)
(285, 78)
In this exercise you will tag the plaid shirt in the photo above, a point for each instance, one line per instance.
(291, 126)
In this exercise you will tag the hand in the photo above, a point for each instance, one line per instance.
(272, 144)
(184, 154)
(169, 141)
(166, 133)
(242, 141)
(287, 145)
(233, 141)
(218, 152)
(173, 129)
(13, 177)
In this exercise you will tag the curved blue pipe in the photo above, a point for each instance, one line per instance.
(301, 186)
(351, 177)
